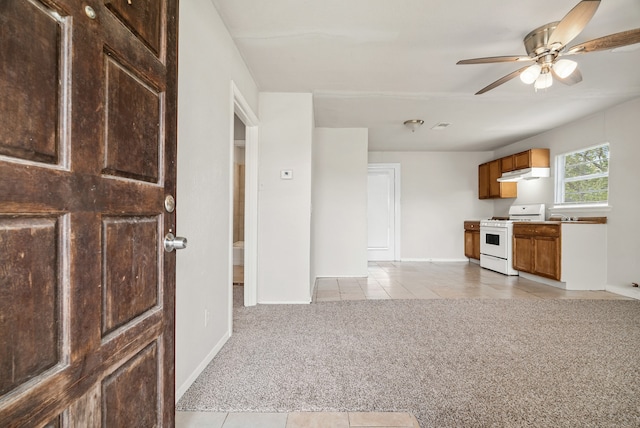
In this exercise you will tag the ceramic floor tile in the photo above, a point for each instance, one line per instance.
(372, 288)
(328, 299)
(380, 419)
(353, 296)
(350, 290)
(317, 420)
(328, 293)
(200, 419)
(253, 420)
(378, 296)
(347, 281)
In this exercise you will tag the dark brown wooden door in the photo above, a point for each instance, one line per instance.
(87, 157)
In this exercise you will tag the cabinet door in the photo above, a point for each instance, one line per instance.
(468, 243)
(488, 184)
(472, 244)
(507, 163)
(523, 253)
(476, 245)
(483, 181)
(495, 172)
(522, 160)
(547, 257)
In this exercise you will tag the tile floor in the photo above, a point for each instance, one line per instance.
(392, 280)
(424, 280)
(295, 420)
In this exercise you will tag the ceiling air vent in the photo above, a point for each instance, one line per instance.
(440, 126)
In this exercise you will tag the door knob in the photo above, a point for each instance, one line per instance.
(172, 242)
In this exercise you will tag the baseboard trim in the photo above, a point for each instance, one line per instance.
(203, 365)
(342, 276)
(436, 260)
(288, 302)
(622, 290)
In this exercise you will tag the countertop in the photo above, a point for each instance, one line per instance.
(575, 220)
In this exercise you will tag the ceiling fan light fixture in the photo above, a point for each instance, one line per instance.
(530, 74)
(564, 67)
(543, 81)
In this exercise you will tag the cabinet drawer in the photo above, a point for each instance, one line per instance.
(523, 229)
(472, 225)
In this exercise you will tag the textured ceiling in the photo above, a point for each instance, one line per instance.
(377, 63)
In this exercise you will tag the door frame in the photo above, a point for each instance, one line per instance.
(396, 167)
(242, 109)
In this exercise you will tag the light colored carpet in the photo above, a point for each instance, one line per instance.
(452, 363)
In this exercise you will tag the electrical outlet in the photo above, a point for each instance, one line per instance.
(206, 317)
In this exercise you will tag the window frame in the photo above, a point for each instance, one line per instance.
(560, 180)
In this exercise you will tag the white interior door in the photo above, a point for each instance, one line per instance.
(382, 212)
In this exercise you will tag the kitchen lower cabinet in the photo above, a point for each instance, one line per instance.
(537, 249)
(472, 239)
(569, 255)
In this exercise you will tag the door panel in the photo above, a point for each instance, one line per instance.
(29, 75)
(87, 156)
(143, 18)
(134, 382)
(133, 125)
(29, 295)
(131, 272)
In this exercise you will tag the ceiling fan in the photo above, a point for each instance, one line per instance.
(546, 45)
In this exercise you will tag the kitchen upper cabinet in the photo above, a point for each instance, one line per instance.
(572, 255)
(488, 185)
(526, 159)
(472, 239)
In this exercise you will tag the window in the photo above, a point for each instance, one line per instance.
(582, 177)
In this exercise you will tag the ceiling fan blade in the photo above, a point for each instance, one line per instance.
(624, 38)
(502, 80)
(572, 79)
(573, 23)
(492, 59)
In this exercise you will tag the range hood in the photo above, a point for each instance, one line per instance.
(524, 174)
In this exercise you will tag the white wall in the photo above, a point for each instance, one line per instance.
(284, 206)
(208, 61)
(339, 226)
(439, 191)
(620, 126)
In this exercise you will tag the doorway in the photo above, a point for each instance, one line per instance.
(238, 200)
(244, 128)
(383, 212)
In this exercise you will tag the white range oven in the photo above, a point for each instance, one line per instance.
(496, 237)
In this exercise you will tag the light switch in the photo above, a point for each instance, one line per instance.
(286, 174)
